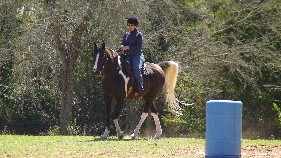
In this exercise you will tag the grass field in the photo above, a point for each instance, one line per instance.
(86, 146)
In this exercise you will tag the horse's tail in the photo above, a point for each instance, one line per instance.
(170, 69)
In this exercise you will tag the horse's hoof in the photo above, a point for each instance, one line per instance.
(120, 135)
(156, 137)
(133, 136)
(105, 134)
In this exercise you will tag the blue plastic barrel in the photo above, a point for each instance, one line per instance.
(223, 128)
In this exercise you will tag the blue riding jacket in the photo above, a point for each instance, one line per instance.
(133, 39)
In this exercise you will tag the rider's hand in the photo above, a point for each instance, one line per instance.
(124, 48)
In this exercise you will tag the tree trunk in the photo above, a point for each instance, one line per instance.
(68, 56)
(66, 101)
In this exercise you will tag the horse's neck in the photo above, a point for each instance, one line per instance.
(112, 68)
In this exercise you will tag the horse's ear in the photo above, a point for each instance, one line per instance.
(95, 46)
(103, 45)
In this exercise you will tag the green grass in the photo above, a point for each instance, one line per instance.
(86, 146)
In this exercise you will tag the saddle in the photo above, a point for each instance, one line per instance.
(126, 65)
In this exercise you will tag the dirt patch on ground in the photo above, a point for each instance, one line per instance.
(262, 151)
(250, 151)
(256, 151)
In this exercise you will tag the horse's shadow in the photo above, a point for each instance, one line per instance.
(98, 139)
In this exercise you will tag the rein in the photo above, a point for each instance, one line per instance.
(106, 62)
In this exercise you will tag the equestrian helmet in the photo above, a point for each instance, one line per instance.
(133, 20)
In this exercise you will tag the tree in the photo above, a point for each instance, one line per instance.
(9, 30)
(225, 49)
(68, 53)
(70, 49)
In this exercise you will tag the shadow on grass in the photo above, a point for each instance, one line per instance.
(98, 139)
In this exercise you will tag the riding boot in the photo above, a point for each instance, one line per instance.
(139, 90)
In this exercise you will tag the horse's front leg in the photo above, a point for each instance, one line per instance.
(119, 106)
(107, 101)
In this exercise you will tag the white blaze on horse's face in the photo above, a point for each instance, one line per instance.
(96, 63)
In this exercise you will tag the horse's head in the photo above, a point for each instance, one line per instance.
(99, 56)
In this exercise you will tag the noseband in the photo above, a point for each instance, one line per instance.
(105, 63)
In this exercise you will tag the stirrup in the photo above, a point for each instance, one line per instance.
(136, 94)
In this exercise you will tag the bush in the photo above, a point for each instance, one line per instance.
(32, 114)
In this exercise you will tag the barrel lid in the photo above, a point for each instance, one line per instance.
(224, 101)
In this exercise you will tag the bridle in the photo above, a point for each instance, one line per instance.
(105, 62)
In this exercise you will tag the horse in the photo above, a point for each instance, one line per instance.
(117, 84)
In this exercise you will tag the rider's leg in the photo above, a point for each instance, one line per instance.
(137, 62)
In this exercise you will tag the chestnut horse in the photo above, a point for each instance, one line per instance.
(117, 84)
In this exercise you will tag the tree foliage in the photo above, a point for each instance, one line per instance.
(225, 49)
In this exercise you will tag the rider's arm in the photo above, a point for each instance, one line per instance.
(138, 46)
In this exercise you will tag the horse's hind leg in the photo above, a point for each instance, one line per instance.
(119, 106)
(143, 117)
(136, 131)
(107, 101)
(149, 99)
(156, 120)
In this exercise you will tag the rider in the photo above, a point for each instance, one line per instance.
(132, 45)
